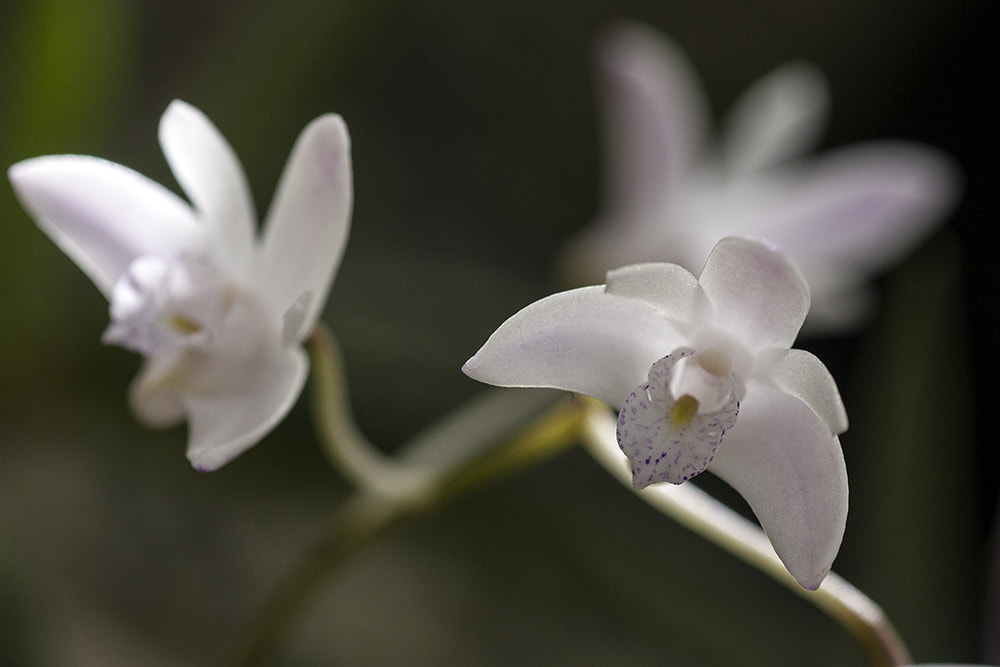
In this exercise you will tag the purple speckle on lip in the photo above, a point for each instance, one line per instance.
(661, 449)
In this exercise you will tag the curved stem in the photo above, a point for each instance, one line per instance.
(344, 444)
(428, 457)
(700, 512)
(357, 523)
(459, 455)
(369, 514)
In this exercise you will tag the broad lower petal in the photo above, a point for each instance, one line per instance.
(784, 461)
(583, 340)
(223, 425)
(103, 215)
(656, 115)
(213, 178)
(670, 288)
(801, 374)
(757, 293)
(780, 117)
(307, 226)
(230, 403)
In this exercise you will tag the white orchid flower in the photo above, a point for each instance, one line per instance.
(673, 193)
(702, 373)
(218, 311)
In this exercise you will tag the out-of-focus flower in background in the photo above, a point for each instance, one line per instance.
(673, 191)
(675, 353)
(218, 312)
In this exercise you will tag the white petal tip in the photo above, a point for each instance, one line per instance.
(178, 106)
(205, 462)
(469, 368)
(25, 173)
(811, 582)
(331, 128)
(179, 111)
(15, 170)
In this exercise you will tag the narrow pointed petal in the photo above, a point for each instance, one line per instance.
(210, 173)
(757, 293)
(871, 203)
(656, 115)
(103, 215)
(784, 461)
(306, 228)
(801, 374)
(584, 340)
(662, 439)
(778, 118)
(670, 288)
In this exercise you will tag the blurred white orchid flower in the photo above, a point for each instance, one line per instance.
(218, 312)
(672, 193)
(704, 377)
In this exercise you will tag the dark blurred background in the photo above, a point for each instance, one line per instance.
(476, 144)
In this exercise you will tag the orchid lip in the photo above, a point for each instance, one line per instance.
(670, 439)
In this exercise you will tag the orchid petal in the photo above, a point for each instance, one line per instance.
(230, 404)
(802, 375)
(223, 425)
(656, 115)
(779, 117)
(152, 395)
(208, 170)
(671, 289)
(756, 291)
(101, 214)
(307, 225)
(662, 439)
(870, 203)
(784, 461)
(583, 340)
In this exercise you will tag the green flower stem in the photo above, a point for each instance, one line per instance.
(424, 461)
(461, 455)
(698, 511)
(378, 506)
(355, 524)
(344, 444)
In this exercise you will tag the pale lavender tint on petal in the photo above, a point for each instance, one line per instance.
(801, 374)
(670, 288)
(223, 424)
(757, 293)
(869, 204)
(583, 340)
(208, 170)
(656, 115)
(659, 449)
(307, 225)
(103, 215)
(656, 125)
(778, 118)
(790, 468)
